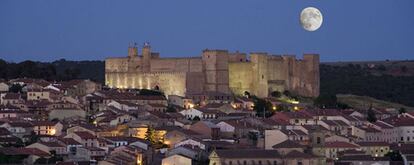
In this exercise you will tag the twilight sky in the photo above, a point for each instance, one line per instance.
(48, 30)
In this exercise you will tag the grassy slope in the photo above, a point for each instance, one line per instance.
(363, 102)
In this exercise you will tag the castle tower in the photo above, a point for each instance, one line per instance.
(216, 69)
(132, 50)
(146, 57)
(312, 77)
(260, 76)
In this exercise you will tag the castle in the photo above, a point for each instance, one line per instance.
(215, 71)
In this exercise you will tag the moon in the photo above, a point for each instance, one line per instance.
(311, 19)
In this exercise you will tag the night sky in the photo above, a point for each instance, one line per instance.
(47, 30)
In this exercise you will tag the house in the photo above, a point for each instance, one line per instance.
(43, 94)
(81, 87)
(193, 152)
(336, 126)
(176, 159)
(23, 155)
(4, 87)
(71, 145)
(180, 101)
(117, 141)
(156, 107)
(90, 153)
(10, 98)
(234, 128)
(375, 149)
(67, 113)
(294, 118)
(364, 160)
(257, 156)
(58, 148)
(273, 137)
(92, 129)
(191, 142)
(85, 138)
(114, 120)
(128, 155)
(332, 148)
(20, 128)
(207, 129)
(201, 113)
(288, 146)
(245, 156)
(124, 105)
(243, 103)
(175, 136)
(47, 128)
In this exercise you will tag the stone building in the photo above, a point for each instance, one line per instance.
(215, 71)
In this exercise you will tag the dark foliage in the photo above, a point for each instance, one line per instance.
(394, 156)
(16, 88)
(329, 101)
(147, 92)
(262, 106)
(371, 115)
(276, 94)
(354, 79)
(57, 70)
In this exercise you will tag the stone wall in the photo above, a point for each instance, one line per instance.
(171, 83)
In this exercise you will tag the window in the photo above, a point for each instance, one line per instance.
(275, 162)
(318, 140)
(260, 162)
(230, 162)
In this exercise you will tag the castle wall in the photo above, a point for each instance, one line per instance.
(240, 77)
(170, 83)
(176, 65)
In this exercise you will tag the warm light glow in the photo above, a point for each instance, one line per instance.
(94, 122)
(274, 108)
(295, 108)
(234, 106)
(191, 105)
(52, 131)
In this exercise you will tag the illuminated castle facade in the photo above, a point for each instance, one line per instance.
(214, 71)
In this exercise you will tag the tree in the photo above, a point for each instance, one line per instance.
(247, 94)
(262, 107)
(16, 88)
(170, 108)
(402, 110)
(371, 115)
(276, 94)
(150, 135)
(326, 101)
(394, 155)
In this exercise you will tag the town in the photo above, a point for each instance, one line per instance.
(84, 122)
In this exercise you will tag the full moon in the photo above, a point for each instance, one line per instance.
(311, 19)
